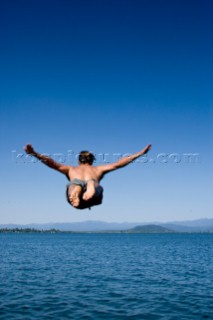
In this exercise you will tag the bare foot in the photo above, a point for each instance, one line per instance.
(89, 193)
(75, 196)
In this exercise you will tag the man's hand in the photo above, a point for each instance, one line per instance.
(148, 147)
(29, 149)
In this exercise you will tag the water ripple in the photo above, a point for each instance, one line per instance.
(65, 276)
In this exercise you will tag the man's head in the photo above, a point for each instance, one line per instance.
(86, 157)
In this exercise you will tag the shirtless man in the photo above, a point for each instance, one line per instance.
(84, 190)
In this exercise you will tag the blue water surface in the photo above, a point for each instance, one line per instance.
(106, 276)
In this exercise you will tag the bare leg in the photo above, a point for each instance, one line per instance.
(74, 194)
(90, 192)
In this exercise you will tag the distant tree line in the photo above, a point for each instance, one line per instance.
(28, 230)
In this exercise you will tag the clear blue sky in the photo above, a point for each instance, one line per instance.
(110, 77)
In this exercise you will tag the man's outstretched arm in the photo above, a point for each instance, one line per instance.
(124, 161)
(46, 160)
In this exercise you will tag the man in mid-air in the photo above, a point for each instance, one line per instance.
(84, 190)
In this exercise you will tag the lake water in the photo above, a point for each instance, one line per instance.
(106, 276)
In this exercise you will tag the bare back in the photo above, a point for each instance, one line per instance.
(85, 172)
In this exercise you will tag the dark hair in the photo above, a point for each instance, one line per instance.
(86, 157)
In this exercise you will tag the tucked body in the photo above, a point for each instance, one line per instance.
(84, 189)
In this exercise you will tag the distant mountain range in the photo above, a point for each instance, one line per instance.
(149, 228)
(201, 225)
